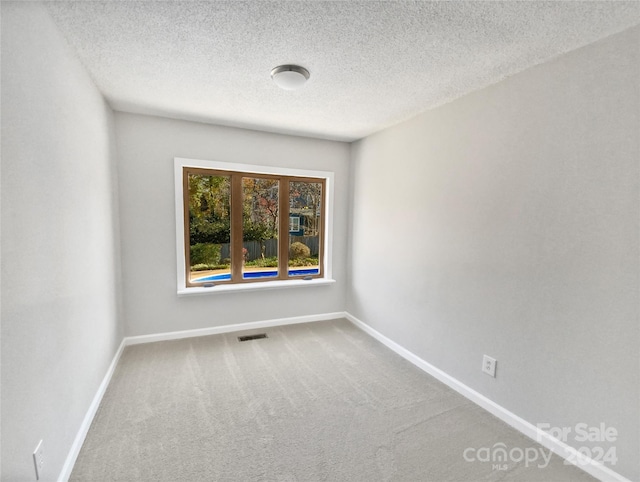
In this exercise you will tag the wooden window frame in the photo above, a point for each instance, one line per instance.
(236, 224)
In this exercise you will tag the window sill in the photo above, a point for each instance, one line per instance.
(264, 285)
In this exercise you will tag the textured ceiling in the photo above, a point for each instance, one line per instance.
(372, 64)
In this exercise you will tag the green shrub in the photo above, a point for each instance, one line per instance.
(303, 262)
(204, 253)
(208, 267)
(298, 250)
(271, 262)
(200, 267)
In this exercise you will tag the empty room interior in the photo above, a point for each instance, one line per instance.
(320, 240)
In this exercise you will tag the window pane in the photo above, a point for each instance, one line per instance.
(209, 228)
(259, 227)
(305, 211)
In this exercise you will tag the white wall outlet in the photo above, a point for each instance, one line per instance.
(489, 365)
(38, 460)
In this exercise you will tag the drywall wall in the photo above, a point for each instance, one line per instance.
(60, 327)
(506, 223)
(147, 147)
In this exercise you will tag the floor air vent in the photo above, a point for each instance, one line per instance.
(252, 337)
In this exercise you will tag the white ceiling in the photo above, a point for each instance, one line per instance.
(372, 64)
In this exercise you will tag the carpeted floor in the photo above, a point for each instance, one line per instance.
(315, 401)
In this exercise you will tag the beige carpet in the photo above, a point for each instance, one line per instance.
(315, 401)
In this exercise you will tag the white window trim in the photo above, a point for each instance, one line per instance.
(180, 163)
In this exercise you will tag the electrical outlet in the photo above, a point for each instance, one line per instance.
(489, 365)
(38, 460)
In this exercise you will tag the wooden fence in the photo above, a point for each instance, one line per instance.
(255, 249)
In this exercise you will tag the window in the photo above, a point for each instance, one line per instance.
(294, 224)
(241, 225)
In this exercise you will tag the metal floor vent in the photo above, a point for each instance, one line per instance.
(252, 337)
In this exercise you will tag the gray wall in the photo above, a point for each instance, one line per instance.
(147, 146)
(523, 201)
(60, 326)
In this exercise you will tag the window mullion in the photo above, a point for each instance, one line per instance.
(283, 230)
(187, 240)
(236, 228)
(321, 228)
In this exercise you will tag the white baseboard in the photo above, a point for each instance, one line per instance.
(88, 418)
(216, 330)
(174, 335)
(592, 467)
